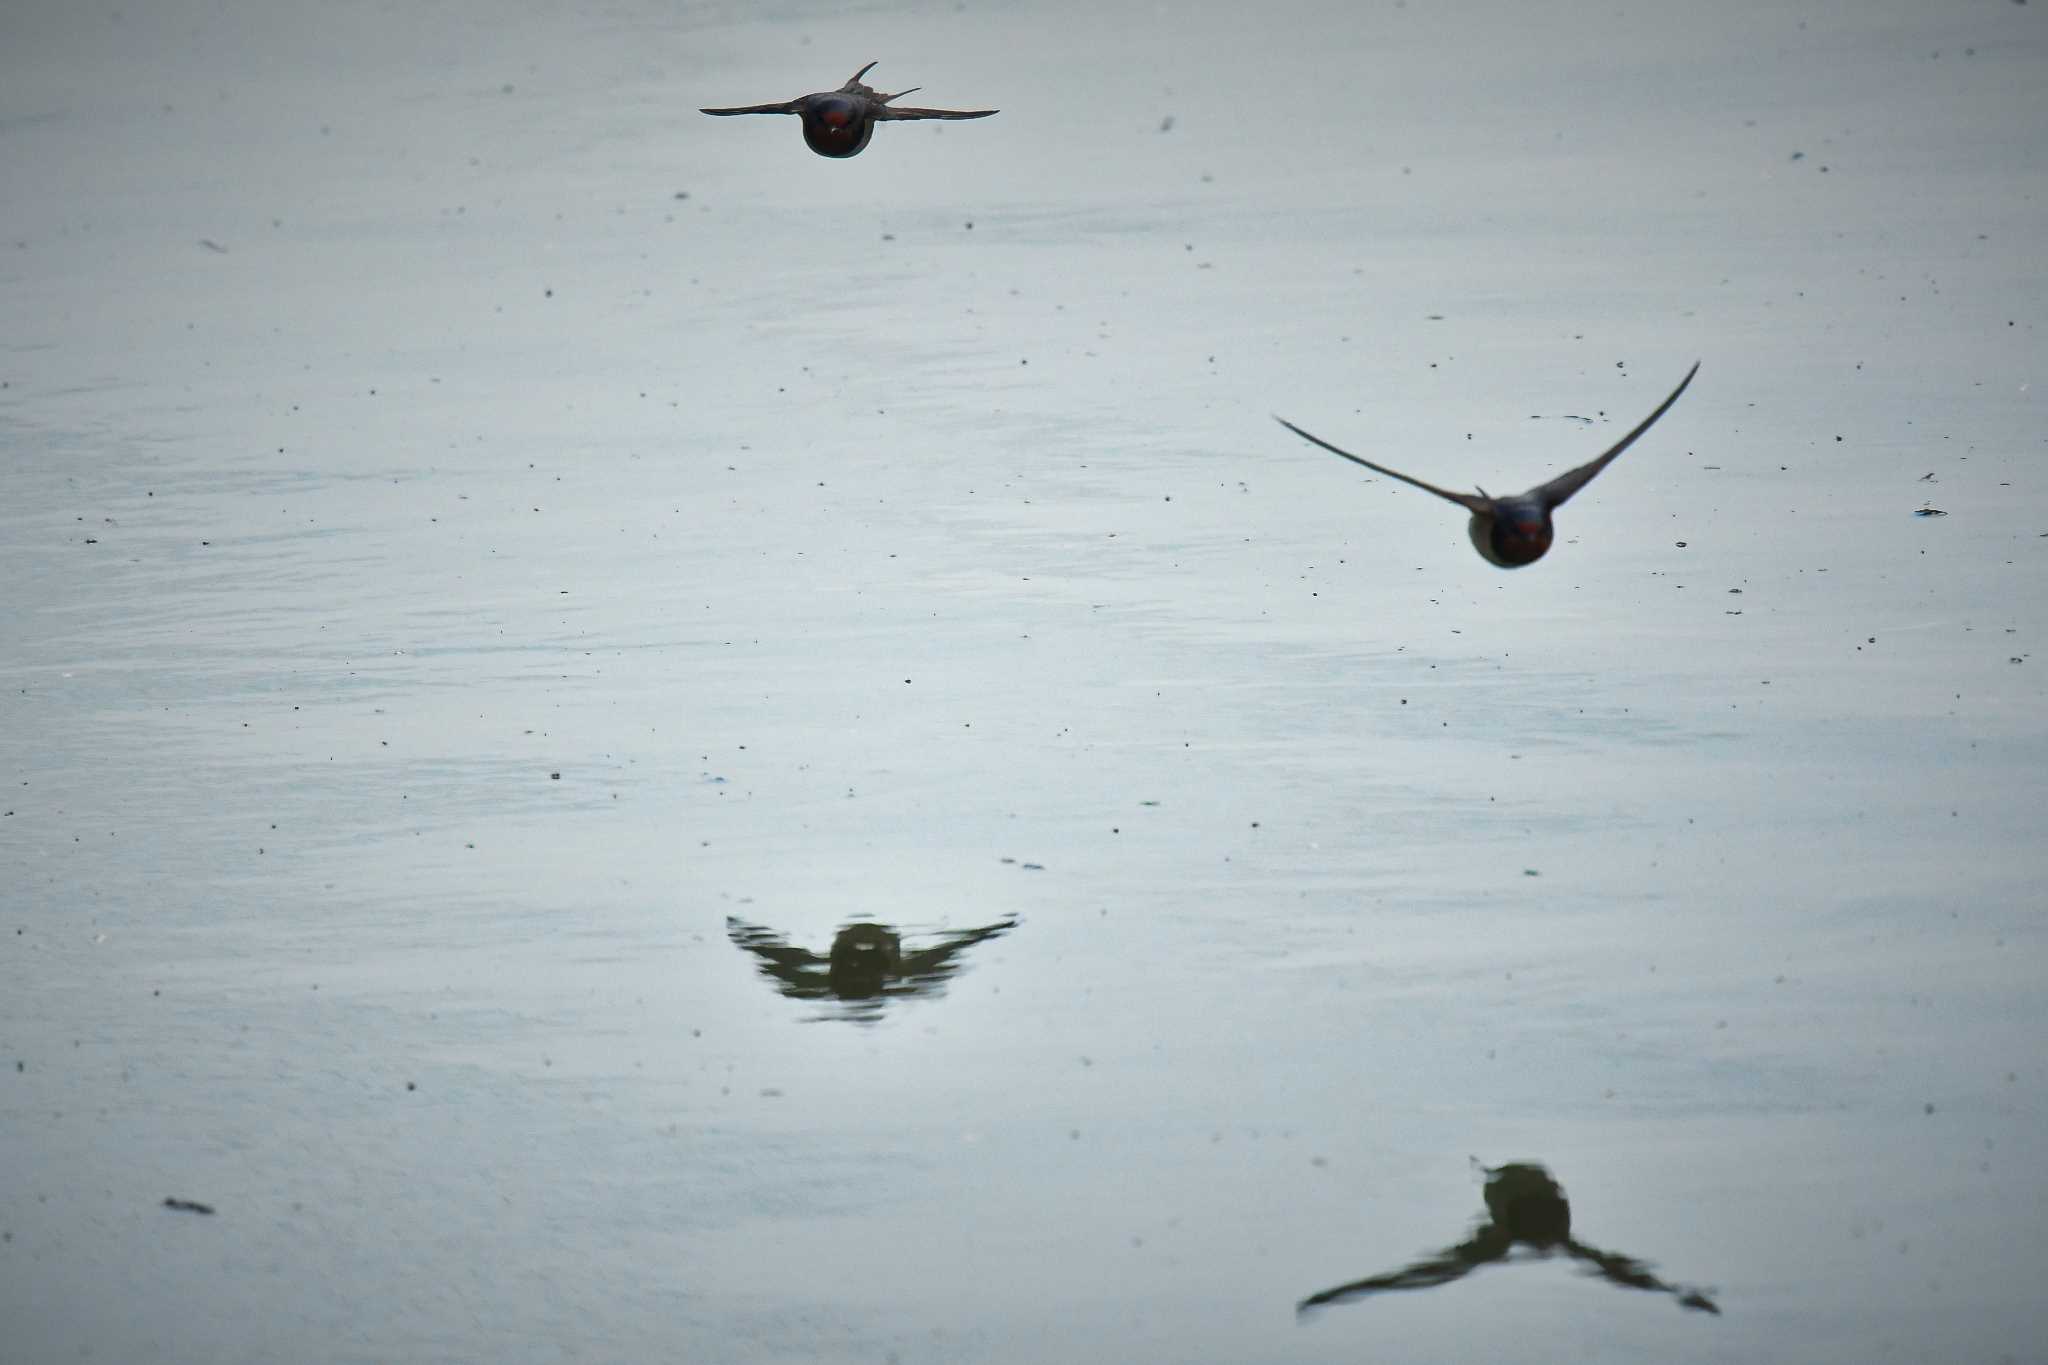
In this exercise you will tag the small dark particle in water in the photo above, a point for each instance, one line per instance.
(1930, 512)
(1530, 872)
(1798, 156)
(682, 194)
(1040, 867)
(1166, 124)
(1928, 477)
(1927, 1108)
(2016, 659)
(412, 1085)
(1679, 543)
(554, 777)
(212, 245)
(187, 1205)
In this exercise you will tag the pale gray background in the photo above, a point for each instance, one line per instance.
(834, 550)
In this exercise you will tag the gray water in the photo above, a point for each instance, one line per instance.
(475, 527)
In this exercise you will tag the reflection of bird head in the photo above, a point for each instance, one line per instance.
(864, 958)
(837, 124)
(1528, 1205)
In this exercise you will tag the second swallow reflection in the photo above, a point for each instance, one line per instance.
(1524, 1207)
(1516, 530)
(866, 967)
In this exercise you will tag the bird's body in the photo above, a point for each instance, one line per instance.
(838, 123)
(1517, 530)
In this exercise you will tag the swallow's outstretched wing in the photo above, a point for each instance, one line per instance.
(884, 111)
(888, 112)
(786, 107)
(1452, 1263)
(1630, 1273)
(1468, 501)
(1554, 493)
(934, 964)
(771, 948)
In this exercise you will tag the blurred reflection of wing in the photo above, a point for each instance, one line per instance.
(931, 966)
(1488, 1244)
(1633, 1274)
(803, 974)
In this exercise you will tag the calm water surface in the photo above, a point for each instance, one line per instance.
(625, 743)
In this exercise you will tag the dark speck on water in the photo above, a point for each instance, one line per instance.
(187, 1205)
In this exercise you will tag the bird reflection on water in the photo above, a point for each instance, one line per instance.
(1524, 1207)
(866, 967)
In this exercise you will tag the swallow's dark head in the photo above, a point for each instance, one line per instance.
(1512, 533)
(837, 125)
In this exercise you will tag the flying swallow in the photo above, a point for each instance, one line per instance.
(840, 122)
(1514, 531)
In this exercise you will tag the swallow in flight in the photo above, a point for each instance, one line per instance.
(1514, 531)
(840, 122)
